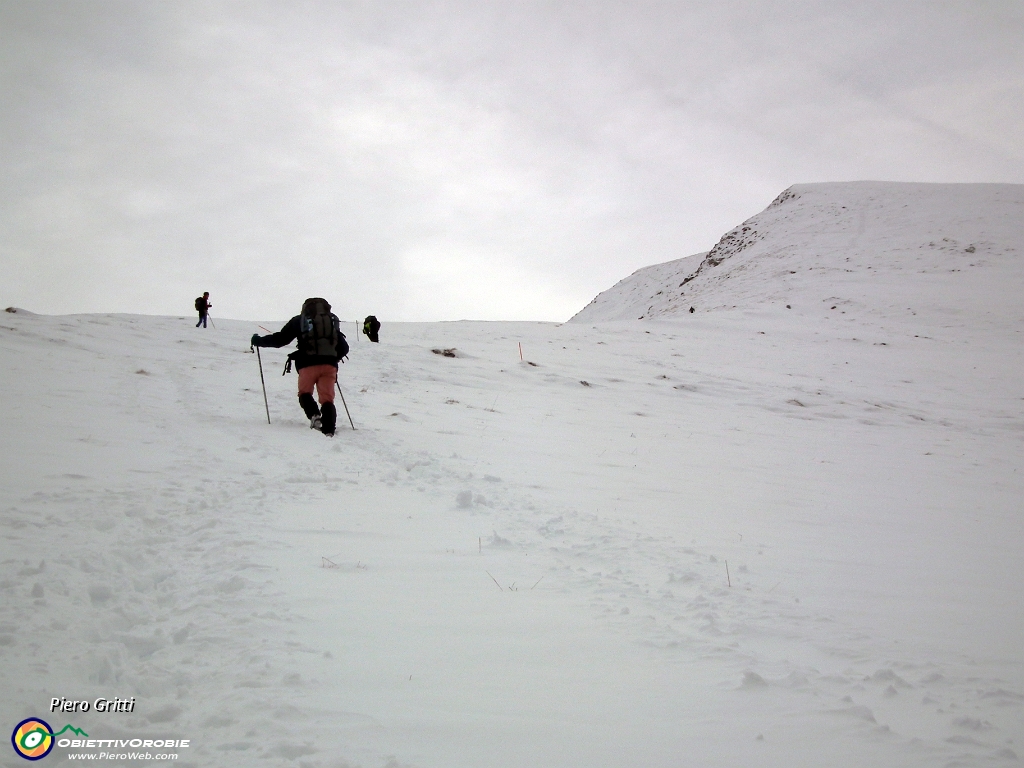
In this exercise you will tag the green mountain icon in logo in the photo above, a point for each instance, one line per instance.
(69, 727)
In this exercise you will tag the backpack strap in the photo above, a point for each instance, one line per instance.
(288, 362)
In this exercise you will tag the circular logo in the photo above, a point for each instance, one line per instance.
(32, 738)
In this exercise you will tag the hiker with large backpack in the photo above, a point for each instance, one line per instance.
(371, 327)
(321, 344)
(203, 308)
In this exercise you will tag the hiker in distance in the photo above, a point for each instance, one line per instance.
(371, 327)
(321, 345)
(203, 307)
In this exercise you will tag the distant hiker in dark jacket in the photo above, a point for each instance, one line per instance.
(321, 346)
(371, 327)
(203, 307)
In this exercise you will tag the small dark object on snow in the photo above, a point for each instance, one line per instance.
(12, 310)
(445, 352)
(585, 383)
(371, 327)
(692, 310)
(788, 307)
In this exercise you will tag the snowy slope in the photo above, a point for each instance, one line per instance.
(176, 541)
(891, 249)
(749, 537)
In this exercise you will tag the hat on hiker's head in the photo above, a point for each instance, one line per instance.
(311, 306)
(206, 293)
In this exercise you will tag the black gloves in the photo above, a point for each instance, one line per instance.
(255, 340)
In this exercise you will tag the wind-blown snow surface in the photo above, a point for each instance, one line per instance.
(530, 569)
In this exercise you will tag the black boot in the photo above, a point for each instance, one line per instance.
(309, 408)
(328, 419)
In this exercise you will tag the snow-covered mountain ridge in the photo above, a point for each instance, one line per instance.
(887, 248)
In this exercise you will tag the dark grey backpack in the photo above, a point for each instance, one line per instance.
(318, 329)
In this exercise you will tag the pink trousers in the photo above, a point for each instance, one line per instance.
(323, 377)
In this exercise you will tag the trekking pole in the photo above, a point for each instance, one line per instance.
(345, 404)
(265, 405)
(211, 321)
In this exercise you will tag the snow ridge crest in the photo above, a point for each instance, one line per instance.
(878, 244)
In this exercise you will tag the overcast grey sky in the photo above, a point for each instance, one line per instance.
(449, 160)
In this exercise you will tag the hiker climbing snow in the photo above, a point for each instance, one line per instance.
(321, 344)
(371, 327)
(203, 308)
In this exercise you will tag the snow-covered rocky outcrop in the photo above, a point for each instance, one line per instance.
(890, 248)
